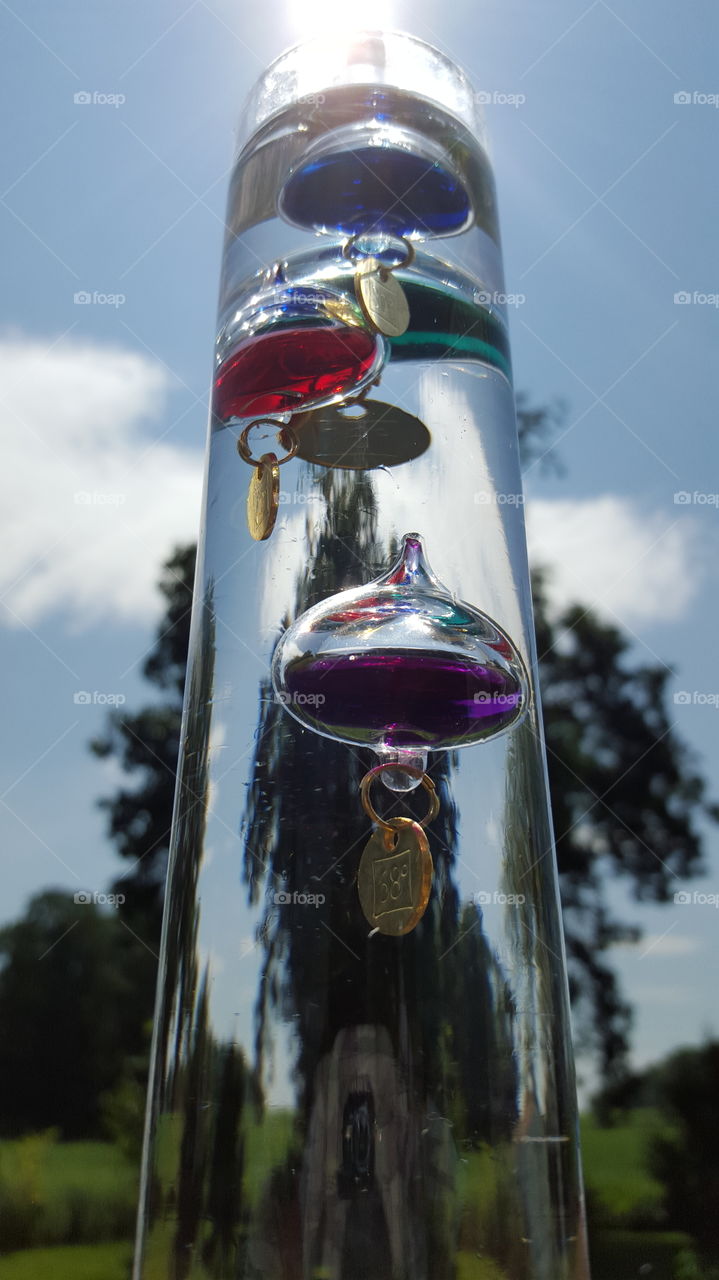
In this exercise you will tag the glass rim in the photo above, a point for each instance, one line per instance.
(395, 59)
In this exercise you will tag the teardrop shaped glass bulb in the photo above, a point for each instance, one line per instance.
(400, 664)
(296, 347)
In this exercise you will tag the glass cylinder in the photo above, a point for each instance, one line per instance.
(330, 1100)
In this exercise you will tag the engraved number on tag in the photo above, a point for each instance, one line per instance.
(393, 883)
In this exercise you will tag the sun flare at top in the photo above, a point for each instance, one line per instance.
(325, 17)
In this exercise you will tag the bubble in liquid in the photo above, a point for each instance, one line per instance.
(399, 664)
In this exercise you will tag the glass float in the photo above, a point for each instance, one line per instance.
(400, 666)
(296, 347)
(376, 178)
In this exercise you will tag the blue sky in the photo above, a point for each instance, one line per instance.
(608, 197)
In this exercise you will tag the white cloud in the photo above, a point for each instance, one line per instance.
(630, 566)
(90, 507)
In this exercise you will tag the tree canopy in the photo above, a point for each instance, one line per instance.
(627, 799)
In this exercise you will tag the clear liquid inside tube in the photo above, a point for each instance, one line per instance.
(257, 233)
(328, 1099)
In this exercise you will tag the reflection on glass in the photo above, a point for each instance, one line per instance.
(328, 1102)
(400, 664)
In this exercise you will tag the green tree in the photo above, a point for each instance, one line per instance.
(69, 1015)
(147, 745)
(685, 1158)
(626, 799)
(626, 793)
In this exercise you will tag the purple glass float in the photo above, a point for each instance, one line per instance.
(400, 666)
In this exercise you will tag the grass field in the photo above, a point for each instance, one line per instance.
(72, 1166)
(71, 1262)
(615, 1169)
(624, 1195)
(64, 1193)
(266, 1146)
(80, 1198)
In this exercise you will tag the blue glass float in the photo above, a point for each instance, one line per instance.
(400, 666)
(389, 181)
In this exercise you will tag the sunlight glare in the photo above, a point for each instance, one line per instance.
(322, 17)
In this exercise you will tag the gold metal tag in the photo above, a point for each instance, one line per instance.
(263, 498)
(394, 879)
(381, 298)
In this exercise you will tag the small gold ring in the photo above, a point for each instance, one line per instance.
(285, 435)
(409, 253)
(414, 772)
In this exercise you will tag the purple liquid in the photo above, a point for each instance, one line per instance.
(404, 698)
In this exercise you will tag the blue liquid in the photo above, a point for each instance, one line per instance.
(381, 189)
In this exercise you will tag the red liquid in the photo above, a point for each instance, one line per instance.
(290, 368)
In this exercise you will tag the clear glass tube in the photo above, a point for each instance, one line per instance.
(327, 1100)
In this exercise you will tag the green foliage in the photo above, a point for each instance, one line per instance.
(147, 746)
(626, 795)
(654, 1167)
(621, 1255)
(685, 1158)
(84, 1262)
(626, 801)
(487, 1188)
(687, 1266)
(536, 426)
(22, 1188)
(266, 1147)
(472, 1266)
(621, 1192)
(69, 1014)
(64, 1193)
(123, 1115)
